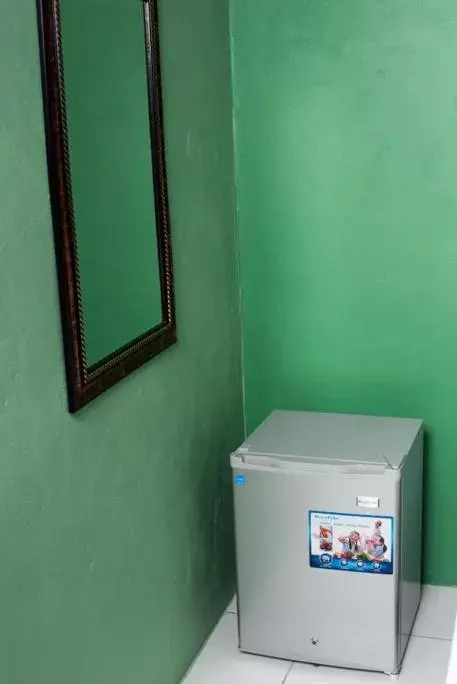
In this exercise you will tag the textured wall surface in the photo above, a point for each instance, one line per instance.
(115, 524)
(346, 127)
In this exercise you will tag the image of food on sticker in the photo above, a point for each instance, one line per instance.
(351, 544)
(325, 538)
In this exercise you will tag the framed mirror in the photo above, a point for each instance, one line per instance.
(107, 177)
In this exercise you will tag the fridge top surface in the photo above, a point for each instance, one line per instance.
(317, 437)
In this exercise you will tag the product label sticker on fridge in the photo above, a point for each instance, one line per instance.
(240, 480)
(367, 501)
(351, 543)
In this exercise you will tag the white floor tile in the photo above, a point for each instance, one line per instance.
(437, 613)
(425, 663)
(233, 606)
(220, 662)
(452, 668)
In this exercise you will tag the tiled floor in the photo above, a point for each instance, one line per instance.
(426, 660)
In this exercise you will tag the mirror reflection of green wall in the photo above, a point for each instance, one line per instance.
(109, 141)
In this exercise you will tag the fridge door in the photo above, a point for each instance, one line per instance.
(293, 602)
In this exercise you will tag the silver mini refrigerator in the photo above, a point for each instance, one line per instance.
(328, 517)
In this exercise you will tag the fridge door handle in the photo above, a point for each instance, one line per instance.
(284, 463)
(270, 462)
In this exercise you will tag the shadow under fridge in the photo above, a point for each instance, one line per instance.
(328, 520)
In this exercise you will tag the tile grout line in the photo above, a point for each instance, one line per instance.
(288, 673)
(422, 636)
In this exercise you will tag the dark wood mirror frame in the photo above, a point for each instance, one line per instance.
(83, 383)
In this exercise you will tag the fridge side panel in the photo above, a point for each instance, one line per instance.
(411, 541)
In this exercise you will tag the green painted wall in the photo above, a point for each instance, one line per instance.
(115, 524)
(346, 140)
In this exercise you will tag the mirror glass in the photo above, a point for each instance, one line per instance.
(104, 55)
(105, 141)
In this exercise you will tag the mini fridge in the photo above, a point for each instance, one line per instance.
(328, 522)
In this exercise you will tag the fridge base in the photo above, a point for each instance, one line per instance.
(293, 659)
